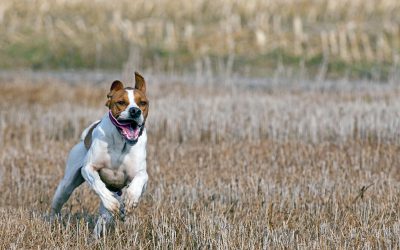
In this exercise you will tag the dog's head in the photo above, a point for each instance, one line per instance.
(129, 106)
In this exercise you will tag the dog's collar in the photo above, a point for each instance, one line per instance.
(122, 129)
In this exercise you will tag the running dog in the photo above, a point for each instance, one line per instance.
(111, 155)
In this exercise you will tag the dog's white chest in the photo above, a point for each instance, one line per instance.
(117, 169)
(116, 162)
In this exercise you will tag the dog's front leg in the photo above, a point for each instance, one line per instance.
(108, 200)
(135, 190)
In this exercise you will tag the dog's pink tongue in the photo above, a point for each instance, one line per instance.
(126, 129)
(129, 132)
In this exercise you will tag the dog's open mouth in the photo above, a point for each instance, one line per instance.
(128, 128)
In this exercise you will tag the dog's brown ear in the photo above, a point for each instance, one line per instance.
(115, 86)
(140, 83)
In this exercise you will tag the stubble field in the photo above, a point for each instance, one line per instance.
(356, 38)
(232, 166)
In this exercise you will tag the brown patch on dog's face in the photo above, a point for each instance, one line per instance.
(117, 98)
(142, 102)
(118, 103)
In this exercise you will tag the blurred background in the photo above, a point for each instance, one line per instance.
(259, 38)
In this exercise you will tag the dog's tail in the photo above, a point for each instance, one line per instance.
(86, 135)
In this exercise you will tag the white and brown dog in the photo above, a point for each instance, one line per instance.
(111, 156)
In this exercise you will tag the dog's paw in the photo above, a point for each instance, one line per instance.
(113, 206)
(130, 203)
(53, 217)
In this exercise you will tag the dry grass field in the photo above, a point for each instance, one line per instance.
(252, 144)
(305, 165)
(346, 36)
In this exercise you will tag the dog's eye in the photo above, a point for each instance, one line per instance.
(121, 103)
(143, 103)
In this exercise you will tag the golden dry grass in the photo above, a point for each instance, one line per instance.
(234, 167)
(174, 34)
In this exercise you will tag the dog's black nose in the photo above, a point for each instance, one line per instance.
(135, 112)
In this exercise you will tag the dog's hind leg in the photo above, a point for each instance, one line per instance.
(71, 180)
(64, 191)
(106, 219)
